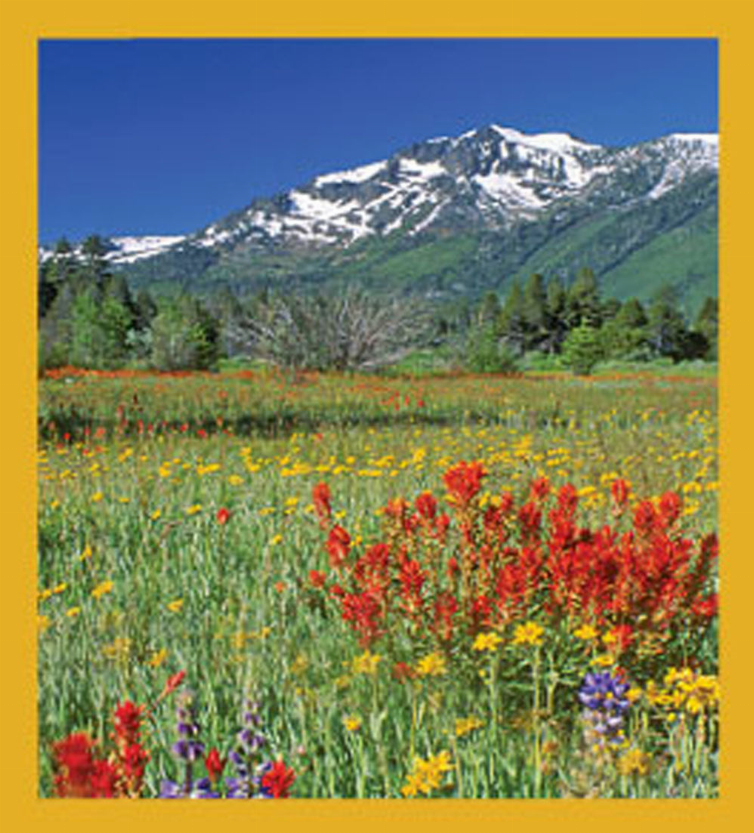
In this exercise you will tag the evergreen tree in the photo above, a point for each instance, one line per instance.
(184, 336)
(533, 311)
(489, 310)
(584, 305)
(666, 326)
(146, 309)
(625, 335)
(556, 310)
(94, 268)
(512, 326)
(706, 324)
(55, 272)
(582, 350)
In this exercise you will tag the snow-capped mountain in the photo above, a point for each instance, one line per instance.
(491, 178)
(518, 195)
(129, 249)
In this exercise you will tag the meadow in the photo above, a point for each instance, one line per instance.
(253, 584)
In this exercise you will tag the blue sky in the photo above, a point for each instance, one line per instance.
(165, 136)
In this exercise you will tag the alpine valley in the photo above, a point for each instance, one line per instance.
(459, 216)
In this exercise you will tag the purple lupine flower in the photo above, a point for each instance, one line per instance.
(245, 758)
(605, 701)
(601, 691)
(199, 789)
(189, 749)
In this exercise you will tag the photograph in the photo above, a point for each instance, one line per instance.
(377, 418)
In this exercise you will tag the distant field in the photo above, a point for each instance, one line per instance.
(180, 530)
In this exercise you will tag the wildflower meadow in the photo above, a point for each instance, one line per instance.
(259, 585)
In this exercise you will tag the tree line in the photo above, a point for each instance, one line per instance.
(89, 317)
(581, 327)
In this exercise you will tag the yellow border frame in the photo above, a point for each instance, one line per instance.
(22, 22)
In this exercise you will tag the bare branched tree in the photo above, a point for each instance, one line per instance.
(352, 331)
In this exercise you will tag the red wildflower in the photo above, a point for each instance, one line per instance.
(540, 489)
(223, 516)
(321, 499)
(172, 684)
(103, 780)
(278, 780)
(446, 607)
(620, 491)
(134, 759)
(75, 765)
(645, 518)
(317, 579)
(402, 672)
(529, 519)
(426, 505)
(363, 611)
(706, 608)
(337, 546)
(464, 481)
(127, 722)
(670, 508)
(215, 764)
(568, 499)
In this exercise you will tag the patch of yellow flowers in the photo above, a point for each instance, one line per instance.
(426, 775)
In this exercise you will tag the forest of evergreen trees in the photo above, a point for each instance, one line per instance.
(88, 317)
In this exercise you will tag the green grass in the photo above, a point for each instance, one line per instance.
(139, 510)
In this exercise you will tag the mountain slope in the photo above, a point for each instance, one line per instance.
(460, 215)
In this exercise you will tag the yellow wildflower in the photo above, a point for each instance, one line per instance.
(464, 725)
(426, 775)
(175, 606)
(352, 723)
(102, 588)
(192, 510)
(487, 642)
(72, 612)
(433, 665)
(529, 633)
(586, 632)
(157, 658)
(366, 663)
(603, 660)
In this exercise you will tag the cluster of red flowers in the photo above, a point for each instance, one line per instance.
(80, 774)
(278, 780)
(501, 562)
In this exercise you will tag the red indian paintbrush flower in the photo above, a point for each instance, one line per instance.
(426, 505)
(316, 578)
(338, 546)
(127, 721)
(463, 481)
(79, 774)
(214, 764)
(172, 684)
(223, 516)
(321, 499)
(278, 780)
(620, 491)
